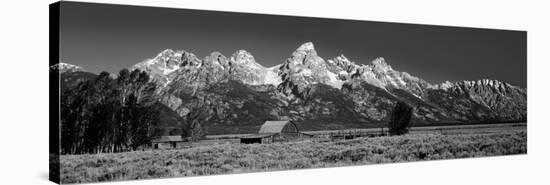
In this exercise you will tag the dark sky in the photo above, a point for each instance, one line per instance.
(111, 37)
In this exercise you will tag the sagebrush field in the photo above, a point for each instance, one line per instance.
(237, 158)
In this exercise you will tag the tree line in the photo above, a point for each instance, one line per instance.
(109, 115)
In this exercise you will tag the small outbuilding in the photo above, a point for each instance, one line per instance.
(165, 142)
(273, 131)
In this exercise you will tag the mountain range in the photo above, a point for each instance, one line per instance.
(320, 94)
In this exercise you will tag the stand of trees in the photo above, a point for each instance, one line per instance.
(400, 119)
(194, 121)
(107, 115)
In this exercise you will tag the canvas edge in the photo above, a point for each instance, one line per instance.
(54, 139)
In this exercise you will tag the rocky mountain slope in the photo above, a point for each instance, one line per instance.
(240, 94)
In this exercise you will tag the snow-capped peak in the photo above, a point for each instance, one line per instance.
(65, 67)
(381, 65)
(307, 48)
(498, 86)
(343, 58)
(245, 68)
(443, 86)
(164, 63)
(165, 52)
(245, 58)
(343, 63)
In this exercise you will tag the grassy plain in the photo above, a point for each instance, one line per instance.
(239, 158)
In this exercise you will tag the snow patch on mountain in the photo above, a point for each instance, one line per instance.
(334, 81)
(66, 67)
(271, 76)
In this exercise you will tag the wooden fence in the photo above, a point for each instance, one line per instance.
(351, 134)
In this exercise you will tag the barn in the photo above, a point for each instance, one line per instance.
(273, 131)
(257, 138)
(165, 142)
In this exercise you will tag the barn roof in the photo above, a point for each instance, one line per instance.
(273, 126)
(162, 139)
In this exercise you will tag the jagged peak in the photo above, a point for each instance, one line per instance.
(244, 57)
(380, 64)
(474, 84)
(216, 54)
(483, 81)
(445, 85)
(342, 58)
(379, 61)
(490, 82)
(242, 52)
(215, 58)
(166, 52)
(305, 51)
(307, 48)
(166, 62)
(343, 63)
